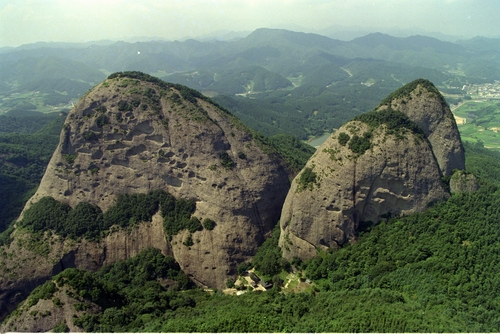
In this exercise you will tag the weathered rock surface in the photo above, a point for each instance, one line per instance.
(462, 182)
(41, 259)
(129, 136)
(424, 105)
(45, 315)
(398, 172)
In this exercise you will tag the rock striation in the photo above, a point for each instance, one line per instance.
(382, 164)
(132, 134)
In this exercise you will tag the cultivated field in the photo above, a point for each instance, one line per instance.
(479, 120)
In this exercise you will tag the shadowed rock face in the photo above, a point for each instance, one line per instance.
(133, 136)
(345, 184)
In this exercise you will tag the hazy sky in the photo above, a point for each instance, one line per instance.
(27, 21)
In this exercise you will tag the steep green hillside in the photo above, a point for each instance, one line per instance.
(24, 154)
(128, 294)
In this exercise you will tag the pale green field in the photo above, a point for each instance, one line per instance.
(482, 122)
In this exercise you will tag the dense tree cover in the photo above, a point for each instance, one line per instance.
(209, 224)
(406, 90)
(233, 80)
(25, 123)
(177, 215)
(484, 116)
(23, 157)
(268, 259)
(306, 110)
(367, 310)
(343, 138)
(50, 80)
(482, 162)
(88, 221)
(128, 293)
(443, 260)
(328, 93)
(359, 144)
(295, 152)
(395, 121)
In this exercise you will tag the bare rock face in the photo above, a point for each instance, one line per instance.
(45, 315)
(424, 105)
(462, 182)
(380, 165)
(49, 255)
(134, 134)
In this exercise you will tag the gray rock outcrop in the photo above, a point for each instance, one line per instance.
(129, 136)
(462, 182)
(424, 105)
(378, 166)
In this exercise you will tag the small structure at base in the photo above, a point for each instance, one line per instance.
(255, 278)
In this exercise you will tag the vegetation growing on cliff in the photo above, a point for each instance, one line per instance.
(307, 179)
(128, 293)
(395, 121)
(343, 138)
(88, 221)
(359, 144)
(407, 89)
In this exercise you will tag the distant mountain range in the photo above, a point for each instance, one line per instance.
(276, 80)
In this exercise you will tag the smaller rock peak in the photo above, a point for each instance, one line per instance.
(422, 102)
(387, 162)
(418, 88)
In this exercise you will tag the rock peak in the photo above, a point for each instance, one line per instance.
(422, 102)
(134, 134)
(382, 164)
